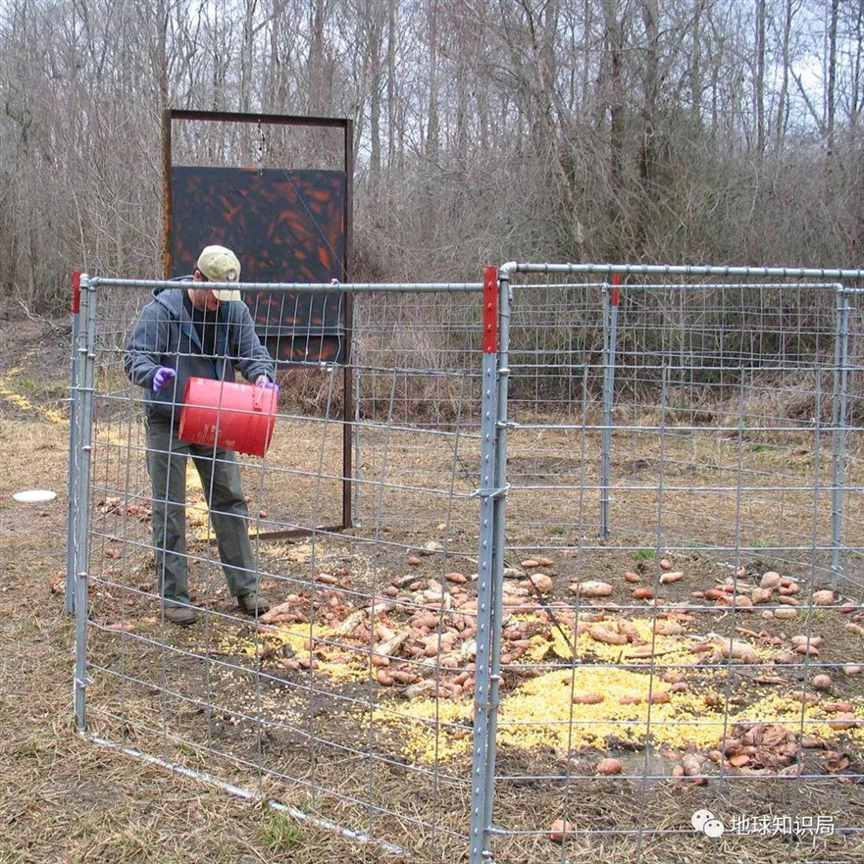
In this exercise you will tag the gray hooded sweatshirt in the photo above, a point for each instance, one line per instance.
(164, 335)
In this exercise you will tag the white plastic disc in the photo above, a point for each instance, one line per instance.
(35, 496)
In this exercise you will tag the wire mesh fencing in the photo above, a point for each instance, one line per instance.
(602, 575)
(334, 701)
(682, 579)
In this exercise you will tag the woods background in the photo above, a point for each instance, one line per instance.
(639, 130)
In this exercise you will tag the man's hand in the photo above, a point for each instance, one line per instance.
(164, 375)
(264, 381)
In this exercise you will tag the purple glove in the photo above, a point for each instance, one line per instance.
(264, 381)
(164, 375)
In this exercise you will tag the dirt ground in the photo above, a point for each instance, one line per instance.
(185, 695)
(63, 799)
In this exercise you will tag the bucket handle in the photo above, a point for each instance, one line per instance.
(260, 393)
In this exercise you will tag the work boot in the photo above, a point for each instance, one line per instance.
(252, 604)
(182, 615)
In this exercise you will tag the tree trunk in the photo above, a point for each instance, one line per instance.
(832, 78)
(695, 74)
(247, 54)
(375, 31)
(617, 119)
(316, 75)
(783, 102)
(432, 123)
(648, 154)
(392, 6)
(759, 82)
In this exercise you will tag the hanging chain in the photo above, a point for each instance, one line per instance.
(259, 149)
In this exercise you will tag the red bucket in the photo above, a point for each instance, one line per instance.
(237, 417)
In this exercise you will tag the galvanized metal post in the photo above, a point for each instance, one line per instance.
(490, 574)
(167, 195)
(348, 323)
(611, 301)
(499, 504)
(357, 460)
(86, 379)
(72, 485)
(839, 419)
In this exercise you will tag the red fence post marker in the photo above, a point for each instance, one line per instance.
(490, 310)
(76, 293)
(616, 289)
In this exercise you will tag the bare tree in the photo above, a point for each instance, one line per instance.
(568, 128)
(759, 78)
(617, 119)
(789, 10)
(832, 77)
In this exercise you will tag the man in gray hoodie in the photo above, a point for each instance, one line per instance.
(196, 331)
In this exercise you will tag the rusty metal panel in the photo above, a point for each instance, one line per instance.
(284, 226)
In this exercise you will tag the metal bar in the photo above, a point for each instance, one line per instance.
(485, 592)
(348, 213)
(573, 832)
(499, 537)
(289, 533)
(839, 411)
(347, 449)
(611, 302)
(167, 196)
(72, 485)
(703, 286)
(276, 119)
(358, 479)
(303, 287)
(684, 270)
(86, 349)
(708, 286)
(248, 795)
(604, 476)
(347, 326)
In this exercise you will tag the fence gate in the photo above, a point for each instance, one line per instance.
(661, 650)
(681, 620)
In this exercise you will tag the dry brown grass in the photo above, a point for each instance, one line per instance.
(63, 799)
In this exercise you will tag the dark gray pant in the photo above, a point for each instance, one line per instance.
(220, 478)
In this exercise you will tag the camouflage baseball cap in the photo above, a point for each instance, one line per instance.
(219, 264)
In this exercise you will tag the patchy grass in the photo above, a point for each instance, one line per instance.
(64, 800)
(280, 833)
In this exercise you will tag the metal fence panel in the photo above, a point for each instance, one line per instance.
(682, 600)
(338, 702)
(72, 520)
(667, 625)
